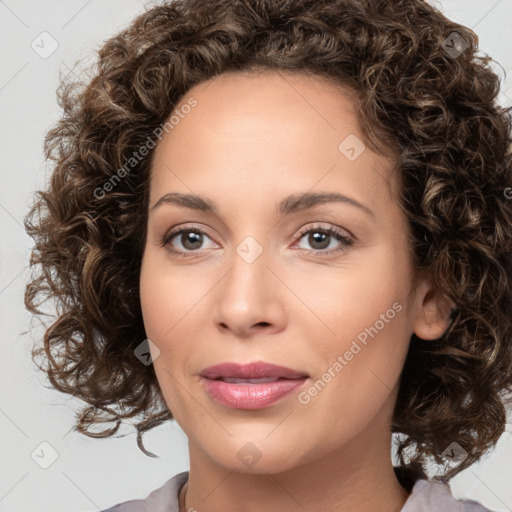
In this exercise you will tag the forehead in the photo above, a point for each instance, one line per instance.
(273, 101)
(273, 128)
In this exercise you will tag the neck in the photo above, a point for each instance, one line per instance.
(358, 478)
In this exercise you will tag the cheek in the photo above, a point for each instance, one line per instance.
(151, 299)
(166, 297)
(162, 309)
(172, 299)
(352, 298)
(161, 303)
(366, 311)
(370, 341)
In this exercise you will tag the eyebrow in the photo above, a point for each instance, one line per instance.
(291, 204)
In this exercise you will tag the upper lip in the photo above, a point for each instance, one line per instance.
(254, 370)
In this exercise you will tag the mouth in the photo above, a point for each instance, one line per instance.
(251, 386)
(234, 380)
(252, 371)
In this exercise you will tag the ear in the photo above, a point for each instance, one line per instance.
(433, 310)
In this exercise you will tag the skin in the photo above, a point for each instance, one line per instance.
(251, 141)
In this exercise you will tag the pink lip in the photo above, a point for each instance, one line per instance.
(255, 370)
(250, 395)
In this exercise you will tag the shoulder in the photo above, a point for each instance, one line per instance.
(428, 495)
(163, 499)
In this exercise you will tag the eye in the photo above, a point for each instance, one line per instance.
(191, 239)
(320, 239)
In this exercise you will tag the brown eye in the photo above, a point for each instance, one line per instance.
(184, 240)
(320, 239)
(190, 240)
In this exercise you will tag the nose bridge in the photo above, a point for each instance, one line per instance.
(247, 297)
(249, 267)
(251, 249)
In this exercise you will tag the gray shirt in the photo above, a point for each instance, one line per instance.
(426, 496)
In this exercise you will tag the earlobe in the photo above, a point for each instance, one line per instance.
(433, 317)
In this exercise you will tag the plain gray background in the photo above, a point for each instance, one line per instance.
(90, 474)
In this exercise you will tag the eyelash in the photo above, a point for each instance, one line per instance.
(345, 240)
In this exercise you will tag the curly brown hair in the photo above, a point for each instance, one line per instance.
(424, 96)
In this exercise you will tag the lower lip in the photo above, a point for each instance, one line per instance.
(250, 396)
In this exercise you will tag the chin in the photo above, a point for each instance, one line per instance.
(255, 454)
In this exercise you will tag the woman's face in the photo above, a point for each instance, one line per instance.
(244, 284)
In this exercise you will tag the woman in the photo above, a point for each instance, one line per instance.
(286, 226)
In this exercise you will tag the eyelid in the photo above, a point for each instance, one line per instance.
(331, 228)
(346, 240)
(170, 233)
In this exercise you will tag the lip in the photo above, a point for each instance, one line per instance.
(256, 370)
(250, 395)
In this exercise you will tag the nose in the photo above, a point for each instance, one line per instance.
(250, 298)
